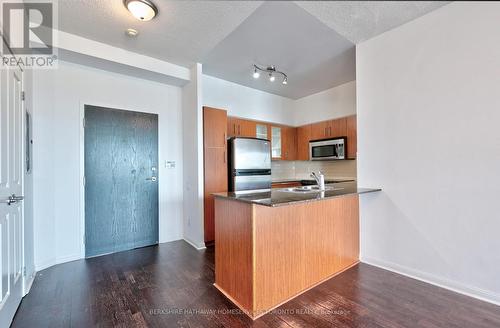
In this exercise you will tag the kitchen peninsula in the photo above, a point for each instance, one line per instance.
(273, 245)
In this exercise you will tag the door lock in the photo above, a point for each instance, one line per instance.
(12, 199)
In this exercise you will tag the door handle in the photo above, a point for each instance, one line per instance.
(12, 199)
(152, 179)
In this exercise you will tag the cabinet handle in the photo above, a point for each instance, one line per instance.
(234, 128)
(224, 140)
(330, 131)
(224, 157)
(239, 129)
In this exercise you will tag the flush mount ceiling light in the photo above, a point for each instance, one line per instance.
(272, 72)
(143, 10)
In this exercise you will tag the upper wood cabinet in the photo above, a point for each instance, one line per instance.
(329, 129)
(338, 127)
(237, 127)
(288, 143)
(320, 130)
(352, 136)
(214, 127)
(303, 138)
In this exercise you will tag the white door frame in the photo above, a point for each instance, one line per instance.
(25, 283)
(82, 163)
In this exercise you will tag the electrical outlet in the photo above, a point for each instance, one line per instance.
(170, 164)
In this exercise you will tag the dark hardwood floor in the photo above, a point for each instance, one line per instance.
(171, 286)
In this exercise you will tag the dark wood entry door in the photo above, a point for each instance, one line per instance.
(121, 180)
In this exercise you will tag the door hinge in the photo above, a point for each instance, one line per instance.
(23, 97)
(84, 181)
(24, 271)
(84, 122)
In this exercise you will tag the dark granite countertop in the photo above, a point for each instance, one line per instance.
(281, 197)
(311, 181)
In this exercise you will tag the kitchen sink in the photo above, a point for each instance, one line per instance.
(309, 189)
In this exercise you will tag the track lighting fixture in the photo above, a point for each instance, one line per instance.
(272, 73)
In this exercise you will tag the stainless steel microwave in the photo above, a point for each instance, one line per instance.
(324, 150)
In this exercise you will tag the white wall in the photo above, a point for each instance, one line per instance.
(333, 103)
(428, 114)
(58, 97)
(192, 126)
(246, 102)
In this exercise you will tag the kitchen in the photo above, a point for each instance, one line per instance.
(253, 164)
(240, 161)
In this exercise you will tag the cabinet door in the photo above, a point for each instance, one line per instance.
(231, 127)
(352, 137)
(214, 127)
(303, 137)
(276, 142)
(320, 130)
(337, 128)
(215, 181)
(289, 143)
(247, 128)
(262, 131)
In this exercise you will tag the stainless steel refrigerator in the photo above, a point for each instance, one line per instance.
(249, 164)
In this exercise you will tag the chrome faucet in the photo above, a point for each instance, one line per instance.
(320, 179)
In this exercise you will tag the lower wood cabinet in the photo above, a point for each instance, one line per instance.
(215, 181)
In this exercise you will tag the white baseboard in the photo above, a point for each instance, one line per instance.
(198, 247)
(48, 263)
(432, 279)
(28, 282)
(39, 266)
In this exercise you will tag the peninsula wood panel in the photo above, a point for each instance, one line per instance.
(315, 241)
(265, 256)
(233, 251)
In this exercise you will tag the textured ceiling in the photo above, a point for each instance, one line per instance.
(281, 33)
(361, 20)
(182, 33)
(312, 41)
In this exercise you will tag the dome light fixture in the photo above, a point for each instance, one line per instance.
(143, 10)
(271, 70)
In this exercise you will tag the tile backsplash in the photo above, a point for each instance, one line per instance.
(302, 169)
